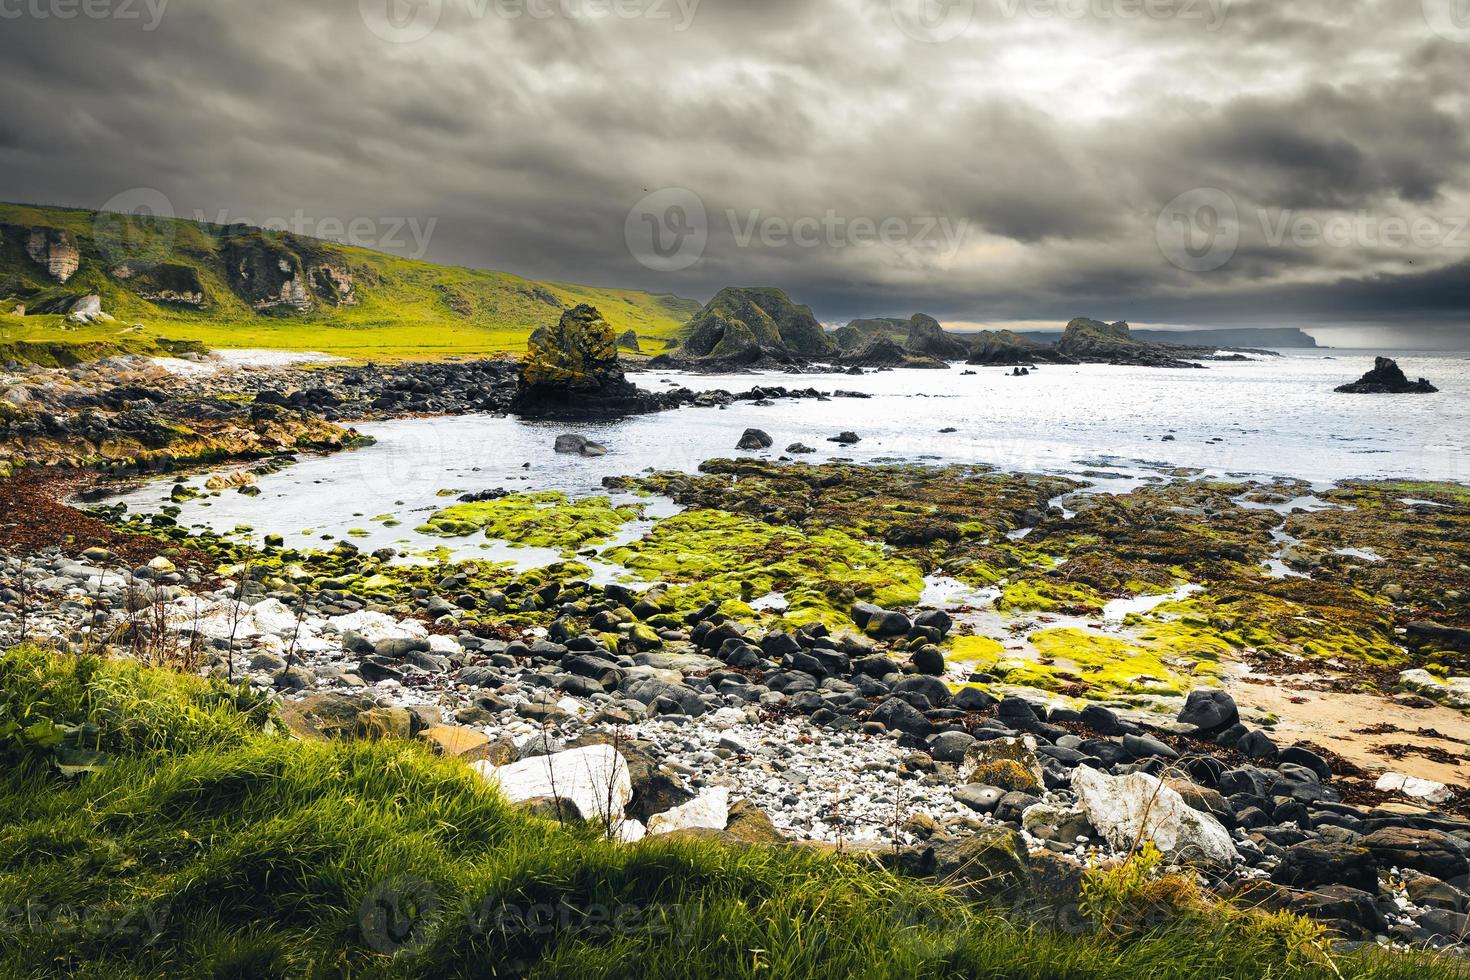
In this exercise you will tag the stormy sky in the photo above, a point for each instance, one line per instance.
(1169, 162)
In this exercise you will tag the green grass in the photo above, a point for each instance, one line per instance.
(406, 308)
(218, 855)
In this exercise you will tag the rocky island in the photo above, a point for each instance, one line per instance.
(1387, 378)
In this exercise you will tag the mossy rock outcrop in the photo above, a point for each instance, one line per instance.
(572, 369)
(743, 325)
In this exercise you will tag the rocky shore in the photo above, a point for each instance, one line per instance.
(852, 738)
(995, 680)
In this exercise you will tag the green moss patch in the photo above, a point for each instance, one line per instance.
(714, 556)
(546, 520)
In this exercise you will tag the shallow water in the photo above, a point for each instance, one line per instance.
(1276, 417)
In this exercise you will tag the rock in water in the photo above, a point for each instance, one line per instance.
(1127, 808)
(754, 439)
(572, 443)
(572, 369)
(1387, 378)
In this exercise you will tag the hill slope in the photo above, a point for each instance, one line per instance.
(237, 286)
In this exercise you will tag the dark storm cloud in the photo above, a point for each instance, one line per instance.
(1048, 135)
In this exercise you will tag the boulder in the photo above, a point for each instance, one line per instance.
(754, 439)
(594, 779)
(1009, 763)
(1208, 711)
(1126, 809)
(992, 859)
(455, 740)
(709, 810)
(1429, 851)
(572, 369)
(1414, 787)
(579, 445)
(897, 714)
(1312, 864)
(331, 716)
(1387, 378)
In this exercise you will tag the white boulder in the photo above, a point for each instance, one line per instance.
(593, 778)
(1412, 786)
(1451, 691)
(710, 809)
(1127, 809)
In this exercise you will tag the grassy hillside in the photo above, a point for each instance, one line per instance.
(233, 286)
(206, 846)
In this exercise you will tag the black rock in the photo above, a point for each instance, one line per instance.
(1018, 712)
(1143, 747)
(754, 439)
(898, 715)
(1209, 711)
(951, 746)
(1101, 720)
(398, 648)
(978, 797)
(1387, 378)
(974, 699)
(1314, 863)
(934, 619)
(1296, 755)
(932, 688)
(1257, 745)
(1434, 853)
(929, 659)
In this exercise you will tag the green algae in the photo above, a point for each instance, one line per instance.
(548, 519)
(1036, 594)
(714, 556)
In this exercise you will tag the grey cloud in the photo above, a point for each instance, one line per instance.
(1057, 141)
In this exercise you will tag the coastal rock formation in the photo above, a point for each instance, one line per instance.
(1008, 348)
(748, 325)
(267, 276)
(860, 333)
(928, 339)
(1387, 378)
(629, 341)
(331, 281)
(55, 251)
(165, 282)
(1094, 342)
(572, 369)
(885, 352)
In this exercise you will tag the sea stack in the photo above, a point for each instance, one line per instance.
(1387, 378)
(571, 369)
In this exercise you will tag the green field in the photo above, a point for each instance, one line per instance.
(399, 308)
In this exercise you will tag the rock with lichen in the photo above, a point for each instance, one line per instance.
(572, 369)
